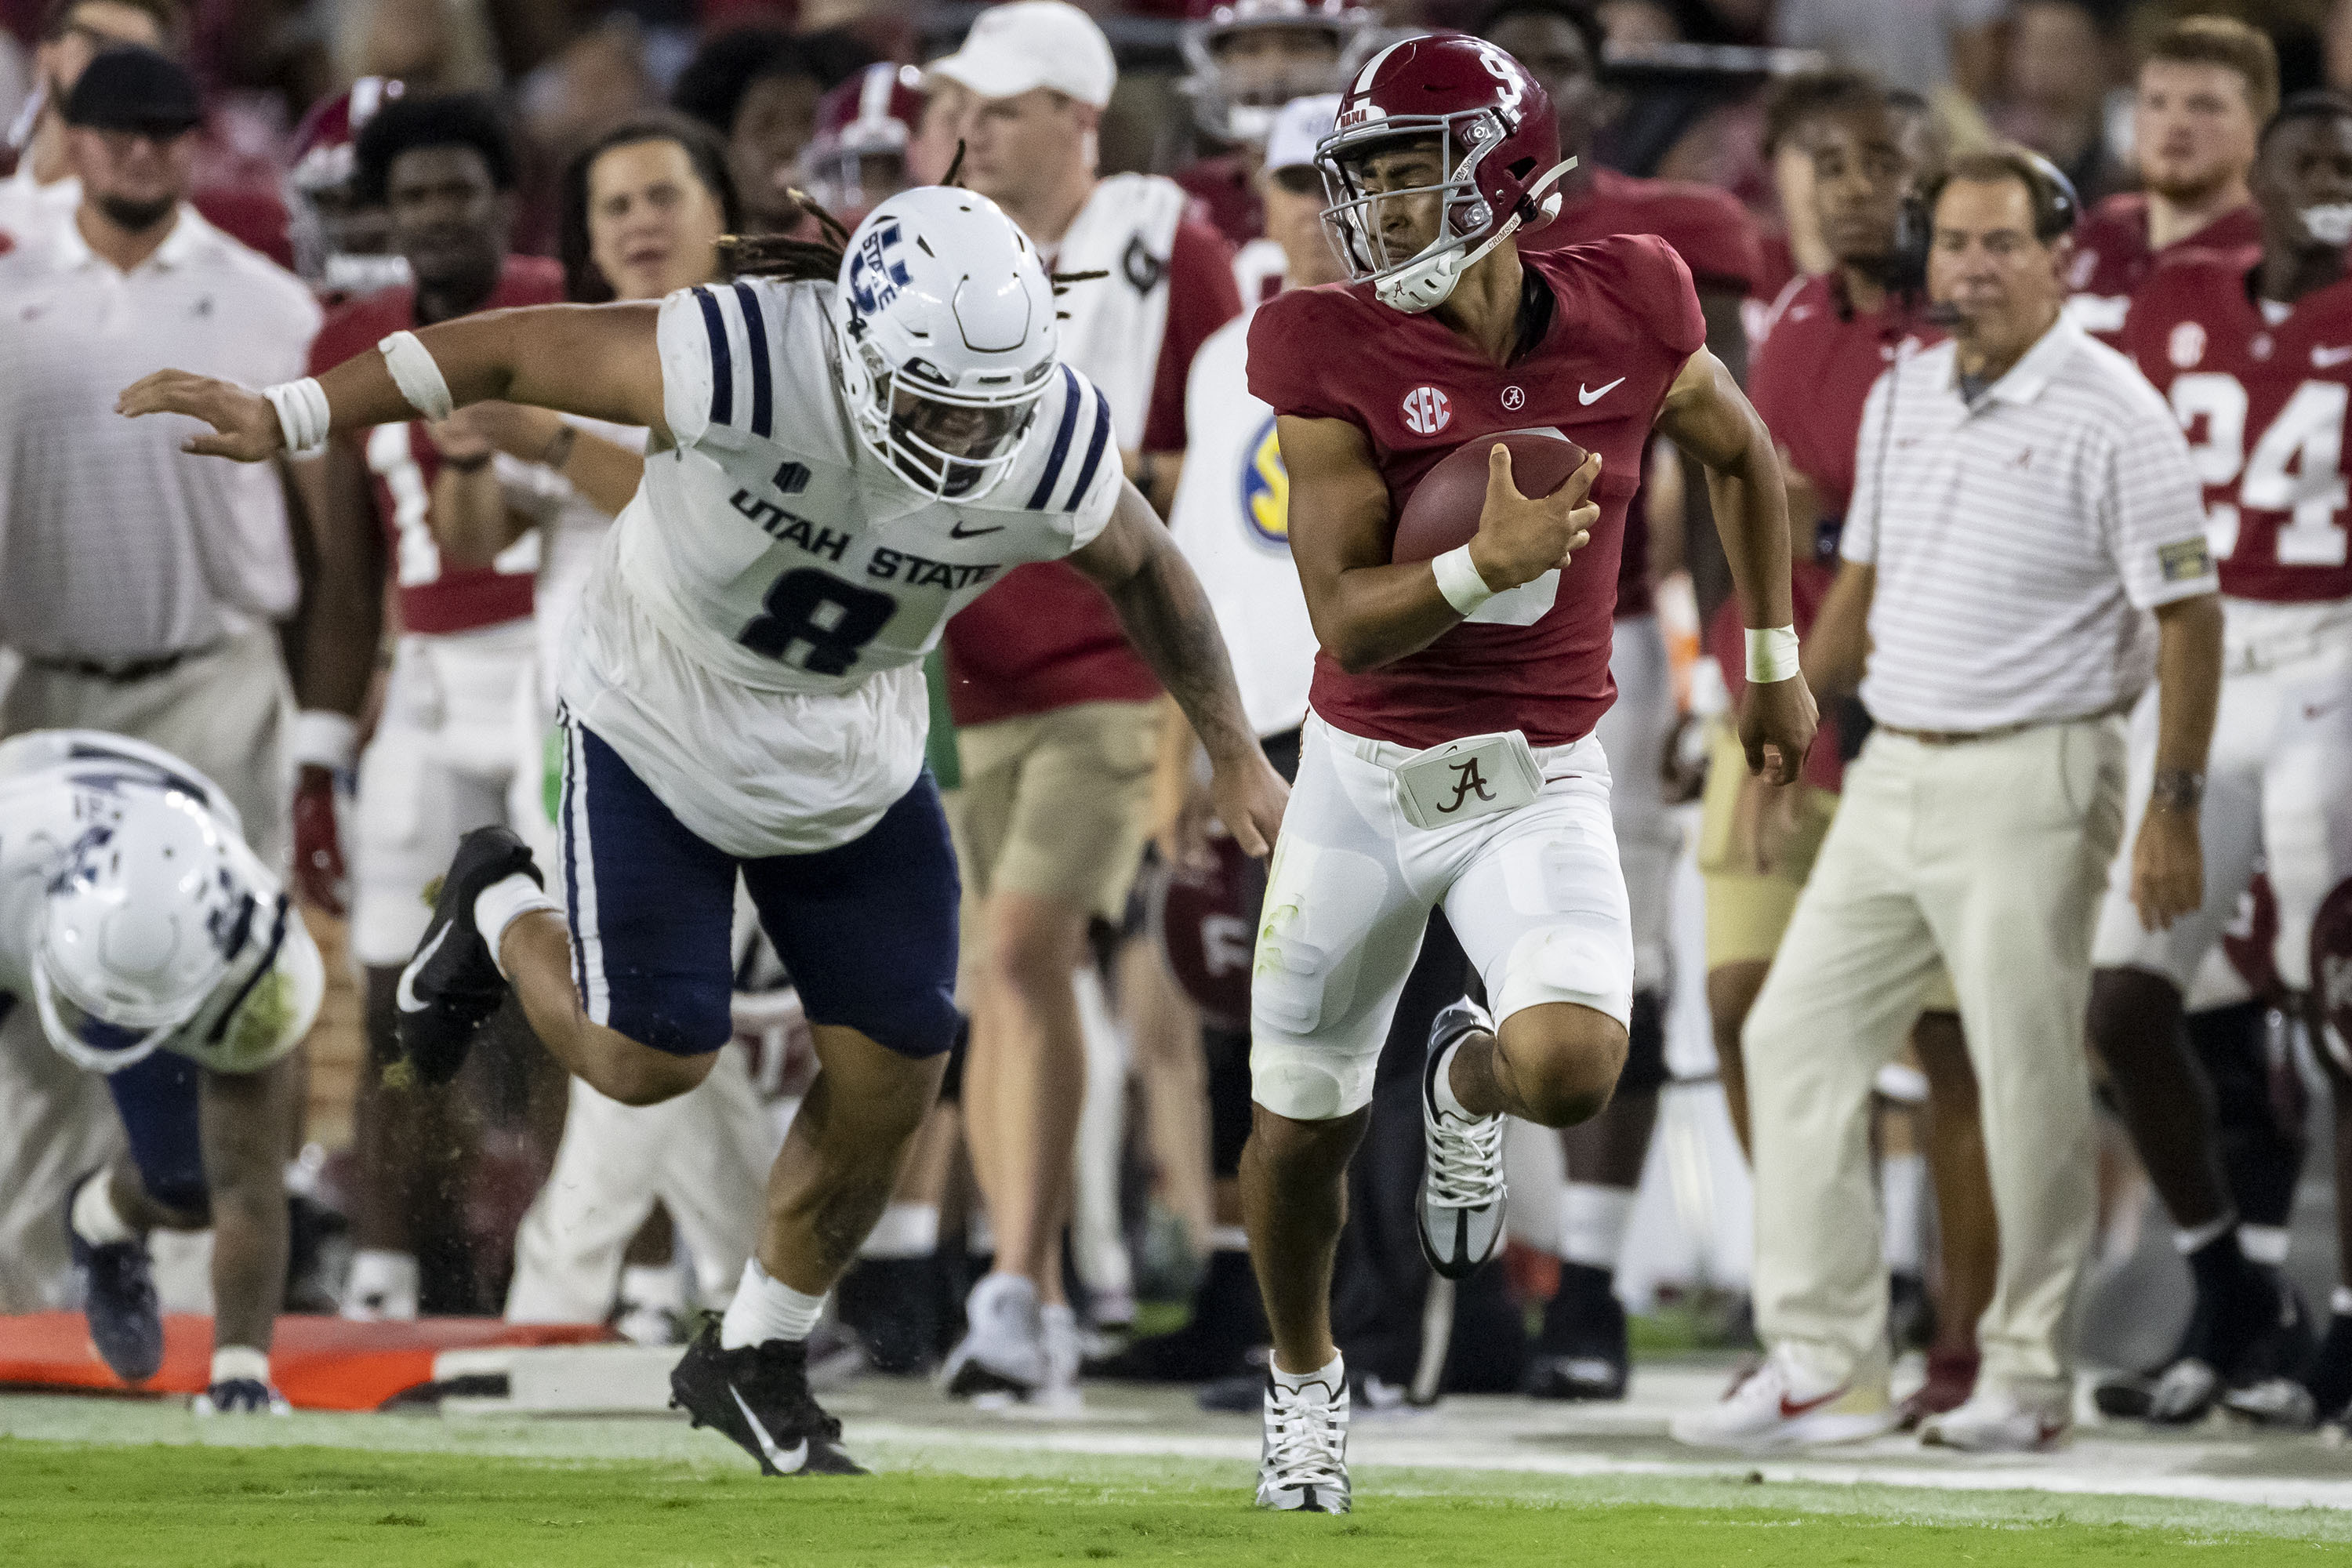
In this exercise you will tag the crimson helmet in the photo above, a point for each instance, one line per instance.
(873, 114)
(338, 245)
(1205, 918)
(1232, 106)
(1499, 147)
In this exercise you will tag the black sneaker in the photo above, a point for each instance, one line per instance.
(126, 1323)
(452, 985)
(1582, 1353)
(759, 1397)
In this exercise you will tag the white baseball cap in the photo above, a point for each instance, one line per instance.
(1298, 125)
(1033, 43)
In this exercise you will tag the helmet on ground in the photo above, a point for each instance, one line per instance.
(1498, 148)
(137, 929)
(873, 115)
(1236, 99)
(943, 319)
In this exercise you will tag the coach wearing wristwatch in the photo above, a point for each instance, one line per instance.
(2024, 550)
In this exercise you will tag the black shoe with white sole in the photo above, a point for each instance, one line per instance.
(119, 1300)
(757, 1398)
(452, 985)
(1462, 1189)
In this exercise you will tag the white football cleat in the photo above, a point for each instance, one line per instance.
(1463, 1194)
(1777, 1408)
(1302, 1466)
(1998, 1420)
(1004, 1350)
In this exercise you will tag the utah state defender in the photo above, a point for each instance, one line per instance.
(1444, 149)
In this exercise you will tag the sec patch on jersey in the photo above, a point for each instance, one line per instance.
(1443, 509)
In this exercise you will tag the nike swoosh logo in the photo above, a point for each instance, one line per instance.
(1791, 1409)
(406, 996)
(786, 1459)
(958, 530)
(2329, 359)
(1590, 397)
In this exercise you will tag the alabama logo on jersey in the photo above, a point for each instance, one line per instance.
(1266, 489)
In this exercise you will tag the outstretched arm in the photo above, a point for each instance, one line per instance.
(1167, 617)
(1707, 415)
(599, 360)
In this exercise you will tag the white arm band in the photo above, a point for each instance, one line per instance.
(1772, 654)
(417, 374)
(301, 414)
(1458, 580)
(325, 740)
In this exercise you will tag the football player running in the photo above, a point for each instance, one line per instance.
(1444, 151)
(144, 940)
(2257, 364)
(845, 451)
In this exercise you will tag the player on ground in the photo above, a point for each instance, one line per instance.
(146, 942)
(2208, 85)
(1445, 148)
(443, 757)
(2257, 363)
(844, 451)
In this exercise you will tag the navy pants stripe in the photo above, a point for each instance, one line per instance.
(867, 931)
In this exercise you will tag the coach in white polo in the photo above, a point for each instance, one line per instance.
(137, 583)
(2027, 550)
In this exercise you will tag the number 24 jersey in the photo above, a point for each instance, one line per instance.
(775, 549)
(2264, 404)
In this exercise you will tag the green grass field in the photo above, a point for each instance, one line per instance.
(63, 1505)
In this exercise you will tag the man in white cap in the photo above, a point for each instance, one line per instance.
(1057, 717)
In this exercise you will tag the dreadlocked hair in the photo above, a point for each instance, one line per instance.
(794, 260)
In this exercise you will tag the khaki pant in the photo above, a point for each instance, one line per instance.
(1054, 805)
(1989, 857)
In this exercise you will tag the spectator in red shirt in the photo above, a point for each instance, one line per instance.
(1057, 717)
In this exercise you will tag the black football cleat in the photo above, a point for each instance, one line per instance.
(452, 985)
(759, 1398)
(126, 1322)
(1582, 1353)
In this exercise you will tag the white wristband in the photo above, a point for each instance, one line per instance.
(232, 1364)
(1458, 580)
(301, 408)
(1772, 654)
(325, 740)
(417, 374)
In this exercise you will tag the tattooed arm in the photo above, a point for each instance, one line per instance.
(1167, 617)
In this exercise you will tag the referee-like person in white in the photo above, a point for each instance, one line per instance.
(2024, 501)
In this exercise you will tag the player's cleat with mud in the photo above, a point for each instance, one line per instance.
(452, 985)
(757, 1398)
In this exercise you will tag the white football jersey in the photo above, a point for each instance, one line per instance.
(776, 549)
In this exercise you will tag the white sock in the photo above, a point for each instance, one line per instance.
(766, 1309)
(979, 1235)
(1592, 1222)
(1445, 1101)
(95, 1217)
(2341, 1302)
(2189, 1241)
(653, 1287)
(502, 903)
(2265, 1244)
(232, 1363)
(904, 1230)
(1333, 1377)
(1228, 1239)
(1902, 1184)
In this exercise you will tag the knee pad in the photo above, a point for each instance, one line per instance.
(1645, 1047)
(2331, 974)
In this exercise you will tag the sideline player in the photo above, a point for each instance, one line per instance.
(1445, 147)
(2208, 85)
(848, 446)
(2257, 364)
(1581, 1352)
(143, 938)
(443, 757)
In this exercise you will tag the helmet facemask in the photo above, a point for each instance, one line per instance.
(1418, 278)
(947, 443)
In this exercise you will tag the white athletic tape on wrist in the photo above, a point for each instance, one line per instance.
(324, 739)
(417, 374)
(1458, 580)
(301, 408)
(232, 1364)
(1772, 654)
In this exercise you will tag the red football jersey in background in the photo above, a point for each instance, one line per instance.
(1717, 242)
(2264, 405)
(2113, 257)
(435, 596)
(1624, 318)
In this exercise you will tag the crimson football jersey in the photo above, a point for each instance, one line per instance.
(434, 596)
(2263, 403)
(1624, 319)
(1716, 241)
(2112, 258)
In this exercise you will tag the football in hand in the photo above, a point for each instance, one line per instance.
(1443, 509)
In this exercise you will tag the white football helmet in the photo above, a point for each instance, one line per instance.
(136, 930)
(1238, 100)
(267, 1000)
(943, 319)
